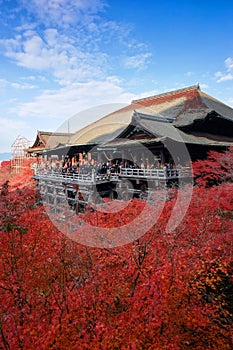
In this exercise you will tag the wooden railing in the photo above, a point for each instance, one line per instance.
(156, 173)
(142, 173)
(133, 173)
(75, 177)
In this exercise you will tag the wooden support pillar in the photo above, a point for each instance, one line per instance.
(89, 156)
(162, 157)
(80, 156)
(55, 198)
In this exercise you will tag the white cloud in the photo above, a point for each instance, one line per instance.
(146, 94)
(63, 12)
(68, 58)
(12, 124)
(16, 85)
(79, 61)
(204, 86)
(228, 74)
(223, 77)
(63, 103)
(26, 27)
(79, 51)
(54, 53)
(39, 78)
(54, 107)
(229, 63)
(139, 61)
(189, 74)
(23, 86)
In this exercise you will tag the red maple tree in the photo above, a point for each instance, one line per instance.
(163, 291)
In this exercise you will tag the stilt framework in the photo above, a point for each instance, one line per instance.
(18, 153)
(58, 190)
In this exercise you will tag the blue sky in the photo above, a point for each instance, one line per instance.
(60, 57)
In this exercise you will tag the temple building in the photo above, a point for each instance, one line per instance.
(145, 146)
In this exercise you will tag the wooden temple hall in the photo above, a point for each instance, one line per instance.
(147, 144)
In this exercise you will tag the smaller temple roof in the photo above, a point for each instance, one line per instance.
(47, 139)
(160, 131)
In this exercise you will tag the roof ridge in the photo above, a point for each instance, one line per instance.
(172, 92)
(54, 132)
(154, 117)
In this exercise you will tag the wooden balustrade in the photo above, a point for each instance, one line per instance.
(132, 173)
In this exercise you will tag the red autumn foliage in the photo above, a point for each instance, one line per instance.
(5, 170)
(162, 291)
(5, 164)
(218, 168)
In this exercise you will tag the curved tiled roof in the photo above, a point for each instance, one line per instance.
(179, 107)
(184, 106)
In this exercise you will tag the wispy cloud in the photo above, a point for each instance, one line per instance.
(223, 76)
(12, 124)
(139, 61)
(63, 12)
(73, 57)
(72, 53)
(229, 63)
(61, 104)
(189, 74)
(228, 74)
(66, 60)
(23, 86)
(147, 93)
(204, 86)
(16, 85)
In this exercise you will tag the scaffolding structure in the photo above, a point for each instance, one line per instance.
(19, 153)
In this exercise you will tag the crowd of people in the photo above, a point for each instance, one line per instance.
(87, 167)
(78, 167)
